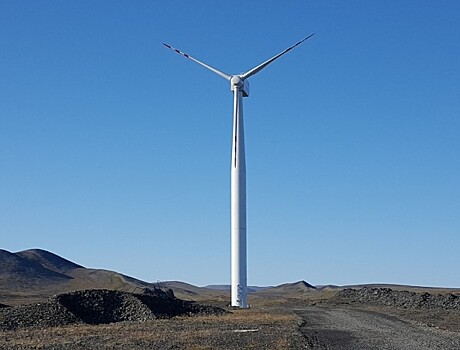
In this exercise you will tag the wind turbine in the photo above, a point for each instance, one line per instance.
(240, 86)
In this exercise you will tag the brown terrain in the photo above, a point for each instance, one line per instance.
(47, 302)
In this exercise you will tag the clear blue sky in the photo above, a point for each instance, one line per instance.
(115, 152)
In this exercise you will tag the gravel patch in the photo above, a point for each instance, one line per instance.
(351, 329)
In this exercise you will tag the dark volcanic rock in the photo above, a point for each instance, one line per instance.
(47, 314)
(104, 306)
(100, 306)
(401, 299)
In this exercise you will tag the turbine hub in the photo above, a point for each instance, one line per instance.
(237, 81)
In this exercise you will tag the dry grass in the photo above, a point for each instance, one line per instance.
(271, 329)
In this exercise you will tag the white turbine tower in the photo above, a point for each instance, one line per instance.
(240, 86)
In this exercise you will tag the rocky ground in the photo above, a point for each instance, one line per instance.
(366, 318)
(334, 327)
(400, 299)
(435, 310)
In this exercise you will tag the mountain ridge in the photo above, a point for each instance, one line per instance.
(49, 260)
(17, 269)
(36, 274)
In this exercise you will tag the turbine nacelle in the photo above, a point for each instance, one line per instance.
(238, 83)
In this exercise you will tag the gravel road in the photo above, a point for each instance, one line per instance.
(342, 328)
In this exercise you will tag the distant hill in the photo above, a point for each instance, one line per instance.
(291, 289)
(34, 275)
(49, 260)
(19, 270)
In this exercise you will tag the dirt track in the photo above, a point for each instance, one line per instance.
(344, 328)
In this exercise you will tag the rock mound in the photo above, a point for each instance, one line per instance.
(47, 314)
(98, 307)
(104, 306)
(401, 299)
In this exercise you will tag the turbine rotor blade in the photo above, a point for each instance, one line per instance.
(266, 63)
(222, 74)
